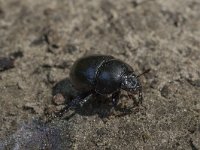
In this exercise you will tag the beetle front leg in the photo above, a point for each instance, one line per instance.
(138, 101)
(115, 98)
(140, 96)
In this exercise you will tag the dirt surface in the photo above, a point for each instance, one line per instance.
(43, 38)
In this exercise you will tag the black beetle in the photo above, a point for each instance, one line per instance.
(104, 75)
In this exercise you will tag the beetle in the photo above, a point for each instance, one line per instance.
(103, 75)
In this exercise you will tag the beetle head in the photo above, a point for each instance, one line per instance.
(130, 83)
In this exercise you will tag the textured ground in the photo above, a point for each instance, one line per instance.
(46, 37)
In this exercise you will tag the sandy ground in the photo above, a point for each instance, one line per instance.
(45, 37)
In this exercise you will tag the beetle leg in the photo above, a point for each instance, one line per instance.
(115, 98)
(140, 96)
(80, 100)
(130, 95)
(83, 101)
(62, 111)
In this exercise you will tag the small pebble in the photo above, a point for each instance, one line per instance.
(58, 99)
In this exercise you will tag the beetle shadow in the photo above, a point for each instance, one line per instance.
(100, 105)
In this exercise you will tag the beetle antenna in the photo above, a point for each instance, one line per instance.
(146, 71)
